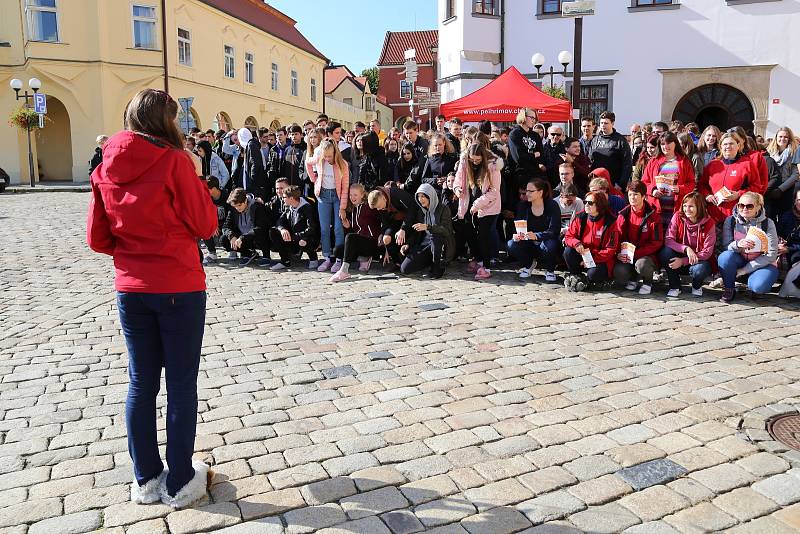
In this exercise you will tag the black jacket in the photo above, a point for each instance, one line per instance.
(613, 153)
(260, 224)
(287, 165)
(257, 174)
(96, 160)
(525, 150)
(436, 166)
(301, 222)
(443, 229)
(552, 159)
(401, 205)
(408, 174)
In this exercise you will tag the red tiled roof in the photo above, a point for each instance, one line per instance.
(266, 18)
(396, 43)
(334, 76)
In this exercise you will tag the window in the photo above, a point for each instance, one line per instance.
(230, 62)
(348, 101)
(551, 7)
(313, 90)
(405, 89)
(449, 9)
(369, 103)
(484, 7)
(274, 77)
(294, 83)
(249, 70)
(594, 100)
(144, 27)
(637, 3)
(42, 20)
(184, 47)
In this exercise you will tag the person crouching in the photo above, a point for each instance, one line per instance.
(245, 228)
(432, 241)
(297, 229)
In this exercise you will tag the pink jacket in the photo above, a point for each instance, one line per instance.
(314, 168)
(489, 202)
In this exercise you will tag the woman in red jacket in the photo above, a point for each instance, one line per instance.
(639, 225)
(148, 210)
(592, 242)
(727, 178)
(669, 177)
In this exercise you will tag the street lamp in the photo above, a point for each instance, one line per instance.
(538, 61)
(35, 84)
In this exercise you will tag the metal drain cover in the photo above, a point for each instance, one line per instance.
(786, 429)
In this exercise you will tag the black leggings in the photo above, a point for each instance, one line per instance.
(478, 231)
(423, 255)
(259, 241)
(573, 259)
(286, 248)
(356, 245)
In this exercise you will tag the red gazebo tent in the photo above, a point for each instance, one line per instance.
(501, 99)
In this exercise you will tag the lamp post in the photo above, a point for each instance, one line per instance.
(34, 84)
(538, 60)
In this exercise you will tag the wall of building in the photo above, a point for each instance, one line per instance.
(390, 89)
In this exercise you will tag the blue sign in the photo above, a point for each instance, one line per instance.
(40, 103)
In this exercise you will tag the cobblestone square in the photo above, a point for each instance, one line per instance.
(389, 404)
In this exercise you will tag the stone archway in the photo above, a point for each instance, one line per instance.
(54, 144)
(753, 81)
(401, 121)
(251, 122)
(715, 104)
(223, 121)
(274, 125)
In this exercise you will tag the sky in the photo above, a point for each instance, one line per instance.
(351, 32)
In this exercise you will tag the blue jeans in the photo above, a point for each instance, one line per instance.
(759, 281)
(328, 206)
(162, 330)
(544, 252)
(699, 272)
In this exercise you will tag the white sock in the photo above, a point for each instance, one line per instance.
(345, 268)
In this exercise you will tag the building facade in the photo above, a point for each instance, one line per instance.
(723, 62)
(241, 61)
(349, 99)
(392, 85)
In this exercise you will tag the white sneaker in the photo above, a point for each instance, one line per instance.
(550, 277)
(209, 259)
(717, 283)
(697, 292)
(278, 267)
(524, 273)
(645, 289)
(313, 264)
(673, 293)
(631, 286)
(233, 256)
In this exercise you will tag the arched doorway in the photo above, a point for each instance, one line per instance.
(251, 122)
(54, 144)
(222, 121)
(187, 122)
(716, 104)
(401, 121)
(274, 125)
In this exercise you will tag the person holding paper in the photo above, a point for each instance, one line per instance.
(731, 173)
(746, 253)
(539, 243)
(669, 177)
(641, 231)
(592, 243)
(689, 245)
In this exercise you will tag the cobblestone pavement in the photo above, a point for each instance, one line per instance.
(398, 405)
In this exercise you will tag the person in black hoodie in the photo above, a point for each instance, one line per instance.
(440, 162)
(296, 230)
(553, 153)
(246, 227)
(610, 150)
(451, 200)
(372, 169)
(288, 163)
(408, 168)
(392, 149)
(276, 205)
(97, 158)
(396, 206)
(431, 240)
(251, 174)
(223, 208)
(525, 147)
(411, 132)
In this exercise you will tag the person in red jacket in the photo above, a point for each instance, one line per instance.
(669, 177)
(148, 209)
(363, 235)
(592, 242)
(639, 225)
(727, 178)
(750, 149)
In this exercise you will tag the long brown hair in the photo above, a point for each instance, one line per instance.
(153, 112)
(476, 149)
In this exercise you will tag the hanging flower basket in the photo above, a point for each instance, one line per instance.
(24, 118)
(555, 91)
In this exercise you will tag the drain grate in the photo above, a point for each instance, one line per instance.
(786, 429)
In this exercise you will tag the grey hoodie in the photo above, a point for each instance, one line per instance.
(246, 222)
(735, 228)
(429, 213)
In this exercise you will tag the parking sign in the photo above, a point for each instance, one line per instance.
(40, 103)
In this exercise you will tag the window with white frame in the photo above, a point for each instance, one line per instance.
(230, 62)
(144, 27)
(369, 103)
(184, 47)
(641, 3)
(294, 83)
(249, 69)
(313, 90)
(42, 18)
(347, 100)
(484, 7)
(405, 89)
(274, 83)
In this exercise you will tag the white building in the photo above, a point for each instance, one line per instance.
(723, 62)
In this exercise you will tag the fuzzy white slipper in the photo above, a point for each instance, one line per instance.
(195, 489)
(150, 492)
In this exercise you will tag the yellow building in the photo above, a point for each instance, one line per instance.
(348, 99)
(242, 62)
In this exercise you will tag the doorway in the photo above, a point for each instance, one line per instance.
(54, 144)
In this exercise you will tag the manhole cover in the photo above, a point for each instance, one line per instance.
(786, 429)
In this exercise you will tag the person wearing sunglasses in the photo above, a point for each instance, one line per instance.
(745, 252)
(541, 243)
(639, 224)
(594, 231)
(553, 153)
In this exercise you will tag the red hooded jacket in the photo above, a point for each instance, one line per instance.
(601, 237)
(644, 230)
(739, 176)
(685, 178)
(148, 210)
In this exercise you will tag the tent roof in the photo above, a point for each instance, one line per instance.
(502, 98)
